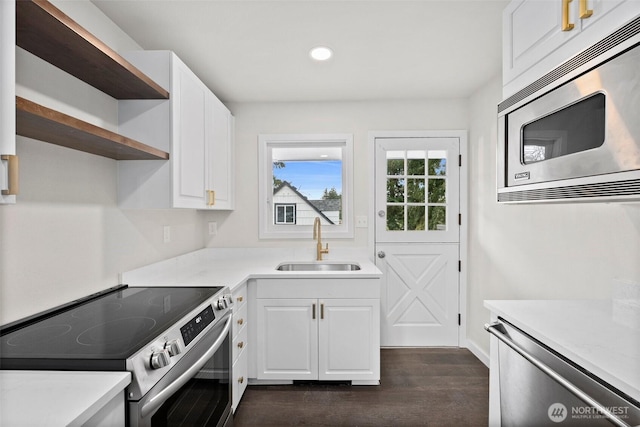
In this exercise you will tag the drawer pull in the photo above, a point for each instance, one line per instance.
(240, 299)
(241, 344)
(13, 174)
(241, 380)
(240, 321)
(585, 12)
(566, 25)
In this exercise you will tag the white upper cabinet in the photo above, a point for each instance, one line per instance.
(539, 35)
(196, 129)
(7, 102)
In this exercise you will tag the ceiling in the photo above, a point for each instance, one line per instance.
(258, 50)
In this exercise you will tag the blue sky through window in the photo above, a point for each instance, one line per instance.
(311, 178)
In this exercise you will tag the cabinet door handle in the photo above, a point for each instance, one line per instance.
(322, 311)
(240, 299)
(241, 380)
(566, 25)
(12, 168)
(313, 311)
(211, 197)
(585, 12)
(240, 321)
(241, 344)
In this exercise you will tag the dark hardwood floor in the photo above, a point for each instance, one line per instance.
(418, 387)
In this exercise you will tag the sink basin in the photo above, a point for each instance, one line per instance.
(318, 266)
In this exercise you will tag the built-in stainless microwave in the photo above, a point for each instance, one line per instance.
(574, 135)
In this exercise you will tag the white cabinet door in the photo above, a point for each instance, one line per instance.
(220, 179)
(531, 30)
(196, 129)
(188, 146)
(534, 42)
(7, 97)
(349, 339)
(287, 333)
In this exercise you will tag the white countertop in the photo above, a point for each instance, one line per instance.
(233, 266)
(597, 335)
(56, 398)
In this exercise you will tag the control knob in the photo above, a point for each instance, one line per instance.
(160, 359)
(224, 302)
(173, 347)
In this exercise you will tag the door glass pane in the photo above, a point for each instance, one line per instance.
(415, 162)
(395, 163)
(437, 218)
(437, 163)
(437, 190)
(395, 218)
(395, 190)
(415, 218)
(415, 190)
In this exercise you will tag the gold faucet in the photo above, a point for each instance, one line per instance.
(317, 234)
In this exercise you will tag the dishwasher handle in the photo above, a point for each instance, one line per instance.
(497, 329)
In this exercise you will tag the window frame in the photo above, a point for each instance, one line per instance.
(267, 228)
(285, 206)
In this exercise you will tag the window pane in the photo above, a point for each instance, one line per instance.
(415, 162)
(290, 217)
(279, 214)
(415, 190)
(395, 167)
(437, 218)
(395, 190)
(415, 217)
(395, 218)
(437, 166)
(437, 190)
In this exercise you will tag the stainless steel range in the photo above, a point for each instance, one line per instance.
(175, 341)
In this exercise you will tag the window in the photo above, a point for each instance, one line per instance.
(304, 177)
(285, 214)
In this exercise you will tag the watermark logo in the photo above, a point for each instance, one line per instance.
(557, 412)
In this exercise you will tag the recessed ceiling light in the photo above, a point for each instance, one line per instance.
(321, 53)
(324, 156)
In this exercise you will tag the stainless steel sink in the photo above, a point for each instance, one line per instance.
(318, 266)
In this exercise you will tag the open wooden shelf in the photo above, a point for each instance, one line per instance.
(42, 123)
(47, 32)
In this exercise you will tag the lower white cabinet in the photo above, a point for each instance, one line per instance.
(239, 351)
(320, 337)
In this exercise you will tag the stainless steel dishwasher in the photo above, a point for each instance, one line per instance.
(539, 387)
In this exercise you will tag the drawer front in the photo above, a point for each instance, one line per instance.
(239, 343)
(240, 296)
(239, 320)
(240, 371)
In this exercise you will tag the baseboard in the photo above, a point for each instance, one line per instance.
(478, 352)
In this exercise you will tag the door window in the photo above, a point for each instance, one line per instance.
(416, 190)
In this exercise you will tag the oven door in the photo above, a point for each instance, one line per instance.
(196, 391)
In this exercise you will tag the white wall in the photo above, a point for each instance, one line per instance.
(240, 229)
(537, 251)
(66, 237)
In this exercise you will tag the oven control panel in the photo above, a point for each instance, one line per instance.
(197, 325)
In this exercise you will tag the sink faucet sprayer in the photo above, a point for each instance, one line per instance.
(317, 234)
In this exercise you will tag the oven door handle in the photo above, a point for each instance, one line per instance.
(156, 401)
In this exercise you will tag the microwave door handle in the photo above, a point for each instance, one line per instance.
(496, 329)
(156, 401)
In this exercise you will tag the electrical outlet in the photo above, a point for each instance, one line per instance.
(167, 233)
(213, 228)
(361, 221)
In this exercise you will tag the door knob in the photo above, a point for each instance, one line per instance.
(381, 214)
(381, 254)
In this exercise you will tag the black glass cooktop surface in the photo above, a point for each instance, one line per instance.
(109, 329)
